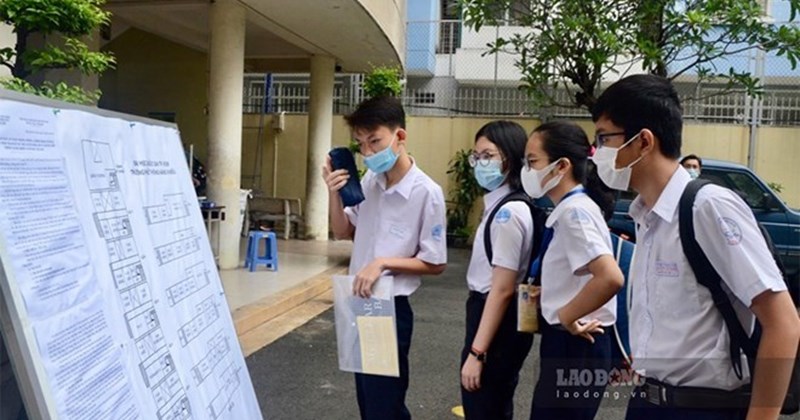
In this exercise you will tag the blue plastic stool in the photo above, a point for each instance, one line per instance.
(270, 256)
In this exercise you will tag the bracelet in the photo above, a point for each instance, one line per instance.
(480, 355)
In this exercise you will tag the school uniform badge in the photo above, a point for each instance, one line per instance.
(502, 216)
(436, 232)
(730, 230)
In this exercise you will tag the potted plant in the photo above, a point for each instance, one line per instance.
(463, 193)
(383, 81)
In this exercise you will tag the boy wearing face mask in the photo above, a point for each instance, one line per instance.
(693, 165)
(579, 276)
(494, 350)
(678, 337)
(398, 230)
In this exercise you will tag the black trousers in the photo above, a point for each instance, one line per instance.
(384, 397)
(505, 356)
(641, 409)
(569, 385)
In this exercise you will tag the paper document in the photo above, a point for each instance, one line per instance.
(378, 345)
(365, 328)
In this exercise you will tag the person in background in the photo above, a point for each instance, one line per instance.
(198, 175)
(693, 165)
(494, 350)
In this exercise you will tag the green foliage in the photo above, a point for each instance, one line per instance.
(776, 186)
(463, 193)
(573, 44)
(353, 146)
(75, 54)
(383, 81)
(62, 21)
(68, 17)
(60, 91)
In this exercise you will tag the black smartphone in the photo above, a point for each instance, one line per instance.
(351, 193)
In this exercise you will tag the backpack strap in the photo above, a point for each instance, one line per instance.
(538, 224)
(708, 277)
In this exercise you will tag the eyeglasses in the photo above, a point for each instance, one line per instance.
(600, 138)
(482, 159)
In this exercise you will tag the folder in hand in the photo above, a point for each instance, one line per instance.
(351, 193)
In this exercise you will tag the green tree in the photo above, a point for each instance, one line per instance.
(573, 45)
(62, 24)
(383, 81)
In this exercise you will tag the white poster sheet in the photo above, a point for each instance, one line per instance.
(104, 247)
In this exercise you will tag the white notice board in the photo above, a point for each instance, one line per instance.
(111, 307)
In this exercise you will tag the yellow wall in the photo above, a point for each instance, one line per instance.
(778, 160)
(156, 75)
(292, 152)
(716, 141)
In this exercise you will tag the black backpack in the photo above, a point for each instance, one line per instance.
(538, 215)
(707, 276)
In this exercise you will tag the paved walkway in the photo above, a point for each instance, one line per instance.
(266, 305)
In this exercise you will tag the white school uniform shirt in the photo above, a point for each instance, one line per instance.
(512, 239)
(404, 221)
(580, 235)
(677, 335)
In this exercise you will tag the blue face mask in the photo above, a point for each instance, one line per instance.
(693, 173)
(382, 161)
(490, 176)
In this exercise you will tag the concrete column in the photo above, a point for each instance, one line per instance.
(320, 130)
(226, 80)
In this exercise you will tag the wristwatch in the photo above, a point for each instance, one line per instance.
(480, 355)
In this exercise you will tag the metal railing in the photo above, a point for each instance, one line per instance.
(290, 93)
(485, 86)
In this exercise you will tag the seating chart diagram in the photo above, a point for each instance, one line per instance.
(111, 217)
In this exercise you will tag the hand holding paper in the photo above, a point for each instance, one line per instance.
(365, 328)
(366, 278)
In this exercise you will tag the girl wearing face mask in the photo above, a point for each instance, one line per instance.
(579, 276)
(493, 350)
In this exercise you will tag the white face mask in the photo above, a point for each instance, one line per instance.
(605, 158)
(532, 180)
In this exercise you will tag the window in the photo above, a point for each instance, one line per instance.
(450, 10)
(741, 183)
(424, 98)
(747, 187)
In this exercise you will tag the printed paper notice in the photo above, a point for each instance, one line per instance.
(112, 277)
(45, 240)
(378, 345)
(84, 366)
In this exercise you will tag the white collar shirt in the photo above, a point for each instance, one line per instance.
(677, 335)
(406, 220)
(580, 235)
(511, 236)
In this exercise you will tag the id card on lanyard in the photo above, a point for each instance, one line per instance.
(528, 310)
